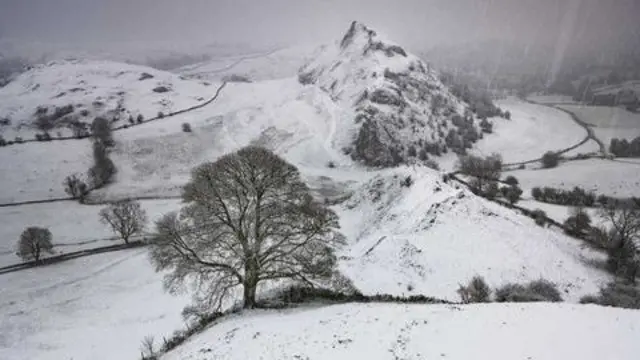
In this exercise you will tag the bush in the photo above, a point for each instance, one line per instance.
(536, 192)
(539, 290)
(616, 295)
(186, 127)
(407, 182)
(75, 187)
(477, 291)
(513, 194)
(101, 131)
(550, 160)
(140, 119)
(3, 142)
(579, 223)
(331, 165)
(540, 217)
(160, 115)
(103, 169)
(511, 180)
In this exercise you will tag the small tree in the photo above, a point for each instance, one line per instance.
(579, 223)
(103, 169)
(536, 192)
(550, 160)
(249, 219)
(623, 253)
(540, 217)
(34, 241)
(101, 131)
(75, 187)
(126, 218)
(477, 291)
(511, 180)
(513, 194)
(186, 127)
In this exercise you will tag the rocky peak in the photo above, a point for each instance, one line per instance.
(401, 112)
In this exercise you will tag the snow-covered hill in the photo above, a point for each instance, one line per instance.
(65, 95)
(398, 105)
(430, 237)
(387, 331)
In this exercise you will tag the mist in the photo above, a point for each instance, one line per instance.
(575, 24)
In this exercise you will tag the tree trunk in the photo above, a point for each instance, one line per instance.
(126, 239)
(249, 294)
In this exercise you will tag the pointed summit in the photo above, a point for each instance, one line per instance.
(399, 110)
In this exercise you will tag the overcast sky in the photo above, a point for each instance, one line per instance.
(412, 22)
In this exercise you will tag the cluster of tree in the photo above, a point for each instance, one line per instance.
(463, 136)
(619, 240)
(624, 148)
(478, 291)
(486, 177)
(575, 197)
(103, 169)
(579, 197)
(550, 160)
(126, 218)
(480, 101)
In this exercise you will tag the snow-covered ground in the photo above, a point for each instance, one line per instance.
(390, 331)
(532, 131)
(432, 236)
(612, 178)
(74, 227)
(608, 122)
(269, 65)
(93, 88)
(551, 99)
(95, 307)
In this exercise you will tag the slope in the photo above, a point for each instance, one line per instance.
(64, 96)
(383, 331)
(429, 237)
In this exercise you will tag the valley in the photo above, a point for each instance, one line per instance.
(357, 119)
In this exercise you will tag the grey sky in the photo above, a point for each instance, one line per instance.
(414, 22)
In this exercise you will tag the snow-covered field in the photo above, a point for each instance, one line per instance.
(608, 122)
(93, 88)
(532, 131)
(269, 65)
(422, 239)
(95, 307)
(388, 331)
(74, 227)
(551, 99)
(612, 178)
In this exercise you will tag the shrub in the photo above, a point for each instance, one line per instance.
(579, 223)
(139, 119)
(186, 127)
(331, 165)
(539, 290)
(412, 151)
(615, 294)
(160, 115)
(540, 217)
(3, 142)
(536, 192)
(75, 187)
(513, 194)
(18, 140)
(407, 182)
(101, 131)
(103, 169)
(477, 291)
(491, 191)
(161, 89)
(550, 160)
(511, 180)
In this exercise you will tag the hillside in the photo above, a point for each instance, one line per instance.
(348, 121)
(399, 107)
(383, 331)
(63, 97)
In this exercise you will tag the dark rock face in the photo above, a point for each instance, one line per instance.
(370, 149)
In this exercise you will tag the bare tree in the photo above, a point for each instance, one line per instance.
(33, 242)
(623, 241)
(249, 219)
(75, 187)
(126, 218)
